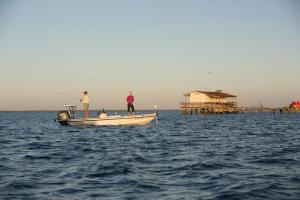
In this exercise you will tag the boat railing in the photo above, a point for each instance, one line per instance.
(72, 110)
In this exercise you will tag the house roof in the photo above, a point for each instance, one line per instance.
(216, 94)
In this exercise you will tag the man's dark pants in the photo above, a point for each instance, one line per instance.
(130, 106)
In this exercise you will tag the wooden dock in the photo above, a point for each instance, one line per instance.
(188, 108)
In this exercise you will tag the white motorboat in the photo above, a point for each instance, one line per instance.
(68, 117)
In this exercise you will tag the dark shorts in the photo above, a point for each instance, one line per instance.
(130, 106)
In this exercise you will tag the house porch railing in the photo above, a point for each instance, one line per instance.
(202, 105)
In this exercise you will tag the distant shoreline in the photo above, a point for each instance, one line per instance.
(90, 110)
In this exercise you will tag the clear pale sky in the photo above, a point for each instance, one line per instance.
(52, 50)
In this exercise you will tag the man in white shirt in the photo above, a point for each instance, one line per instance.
(86, 103)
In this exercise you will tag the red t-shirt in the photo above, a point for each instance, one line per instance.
(130, 99)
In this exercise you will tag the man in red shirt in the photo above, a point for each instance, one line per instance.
(130, 100)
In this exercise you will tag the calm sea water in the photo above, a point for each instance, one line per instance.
(246, 156)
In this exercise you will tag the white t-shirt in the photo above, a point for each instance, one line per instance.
(103, 116)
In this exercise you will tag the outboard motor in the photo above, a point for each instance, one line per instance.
(63, 117)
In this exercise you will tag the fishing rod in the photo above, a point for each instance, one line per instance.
(68, 95)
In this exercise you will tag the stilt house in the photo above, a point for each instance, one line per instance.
(206, 102)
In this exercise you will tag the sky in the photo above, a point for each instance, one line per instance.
(52, 50)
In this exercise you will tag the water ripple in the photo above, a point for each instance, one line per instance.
(246, 156)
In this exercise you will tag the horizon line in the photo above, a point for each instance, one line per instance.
(93, 110)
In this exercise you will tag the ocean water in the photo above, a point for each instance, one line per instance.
(244, 156)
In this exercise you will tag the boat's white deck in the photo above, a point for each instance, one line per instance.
(115, 117)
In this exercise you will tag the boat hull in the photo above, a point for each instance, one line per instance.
(135, 120)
